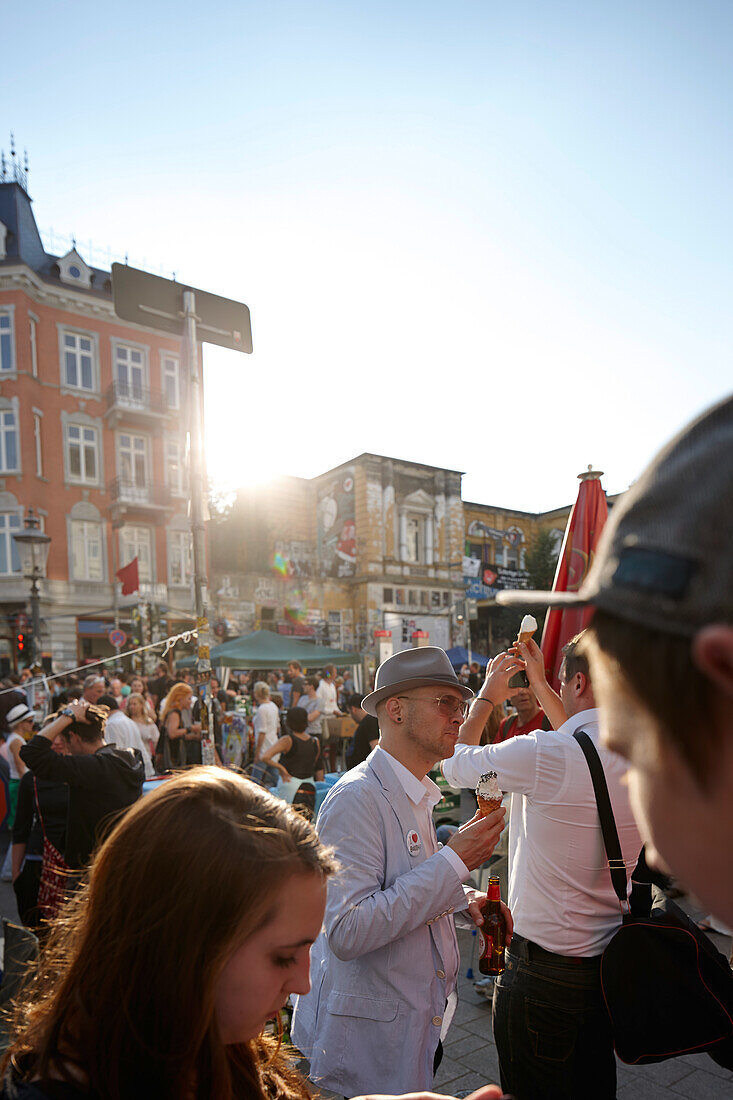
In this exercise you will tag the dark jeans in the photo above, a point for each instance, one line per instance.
(552, 1031)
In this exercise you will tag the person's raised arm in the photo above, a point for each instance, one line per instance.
(494, 690)
(534, 665)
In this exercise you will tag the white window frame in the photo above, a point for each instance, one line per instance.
(37, 418)
(8, 361)
(78, 334)
(134, 538)
(180, 557)
(83, 477)
(10, 411)
(89, 533)
(33, 337)
(177, 485)
(6, 535)
(130, 489)
(122, 352)
(170, 368)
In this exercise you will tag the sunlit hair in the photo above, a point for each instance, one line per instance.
(93, 728)
(261, 690)
(144, 715)
(125, 994)
(176, 699)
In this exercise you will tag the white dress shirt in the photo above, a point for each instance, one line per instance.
(326, 695)
(560, 891)
(424, 796)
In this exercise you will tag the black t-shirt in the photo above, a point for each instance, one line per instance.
(366, 731)
(101, 785)
(54, 802)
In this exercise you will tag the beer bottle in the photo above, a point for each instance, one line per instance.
(492, 932)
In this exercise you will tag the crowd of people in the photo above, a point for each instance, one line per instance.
(211, 902)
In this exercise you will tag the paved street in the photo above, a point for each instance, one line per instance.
(470, 1056)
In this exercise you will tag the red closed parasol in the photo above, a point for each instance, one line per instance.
(585, 524)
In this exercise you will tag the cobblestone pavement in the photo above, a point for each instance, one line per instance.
(470, 1056)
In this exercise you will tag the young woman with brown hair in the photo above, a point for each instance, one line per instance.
(194, 928)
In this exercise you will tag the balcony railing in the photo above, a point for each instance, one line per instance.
(125, 492)
(128, 397)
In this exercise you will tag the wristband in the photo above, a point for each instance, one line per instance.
(483, 699)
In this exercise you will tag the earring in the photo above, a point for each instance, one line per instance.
(398, 719)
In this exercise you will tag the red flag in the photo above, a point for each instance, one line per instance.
(130, 578)
(585, 524)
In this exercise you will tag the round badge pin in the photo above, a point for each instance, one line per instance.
(413, 841)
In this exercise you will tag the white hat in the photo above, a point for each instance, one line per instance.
(18, 713)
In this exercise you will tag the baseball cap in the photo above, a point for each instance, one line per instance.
(665, 558)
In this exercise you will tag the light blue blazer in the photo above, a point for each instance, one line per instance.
(371, 1022)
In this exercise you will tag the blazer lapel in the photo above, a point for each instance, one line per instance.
(403, 808)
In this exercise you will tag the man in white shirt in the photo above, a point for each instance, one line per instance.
(384, 969)
(328, 699)
(551, 1027)
(123, 733)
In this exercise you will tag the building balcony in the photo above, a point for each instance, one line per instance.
(131, 404)
(129, 497)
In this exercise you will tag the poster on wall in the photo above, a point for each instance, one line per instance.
(337, 526)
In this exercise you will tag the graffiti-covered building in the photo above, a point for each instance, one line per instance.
(377, 544)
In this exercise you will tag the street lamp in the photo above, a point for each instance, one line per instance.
(33, 550)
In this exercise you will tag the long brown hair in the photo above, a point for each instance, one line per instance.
(125, 993)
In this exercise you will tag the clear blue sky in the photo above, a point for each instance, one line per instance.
(489, 236)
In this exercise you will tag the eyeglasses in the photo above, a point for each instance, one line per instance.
(447, 705)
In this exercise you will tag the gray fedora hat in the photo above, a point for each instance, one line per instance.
(413, 668)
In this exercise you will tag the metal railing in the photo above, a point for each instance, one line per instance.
(151, 494)
(139, 399)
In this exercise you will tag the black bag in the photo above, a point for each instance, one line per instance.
(668, 989)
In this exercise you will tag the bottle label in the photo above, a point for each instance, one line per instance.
(487, 944)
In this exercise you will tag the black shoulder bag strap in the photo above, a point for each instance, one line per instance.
(616, 864)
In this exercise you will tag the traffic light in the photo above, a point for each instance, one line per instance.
(20, 644)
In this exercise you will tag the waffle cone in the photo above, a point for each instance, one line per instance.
(525, 636)
(487, 806)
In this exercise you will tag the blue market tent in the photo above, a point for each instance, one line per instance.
(458, 656)
(265, 649)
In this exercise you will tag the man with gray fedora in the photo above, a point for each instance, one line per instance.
(384, 969)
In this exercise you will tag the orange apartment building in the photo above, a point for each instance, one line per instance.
(92, 437)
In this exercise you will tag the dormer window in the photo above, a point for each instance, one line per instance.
(74, 271)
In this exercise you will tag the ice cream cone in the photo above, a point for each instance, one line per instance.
(525, 636)
(487, 806)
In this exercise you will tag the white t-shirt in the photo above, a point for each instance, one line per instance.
(560, 891)
(123, 733)
(267, 723)
(10, 739)
(326, 695)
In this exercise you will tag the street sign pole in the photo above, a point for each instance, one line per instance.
(191, 315)
(193, 368)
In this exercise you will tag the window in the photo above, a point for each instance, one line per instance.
(135, 542)
(412, 597)
(10, 525)
(82, 445)
(130, 373)
(78, 353)
(34, 345)
(7, 358)
(171, 382)
(133, 466)
(87, 551)
(387, 595)
(435, 599)
(37, 438)
(8, 441)
(446, 599)
(180, 568)
(173, 466)
(424, 597)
